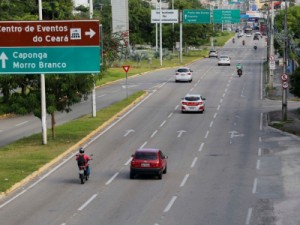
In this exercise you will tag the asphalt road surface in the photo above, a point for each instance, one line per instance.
(218, 172)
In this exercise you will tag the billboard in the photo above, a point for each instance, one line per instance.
(120, 20)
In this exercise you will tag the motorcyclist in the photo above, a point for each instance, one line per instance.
(239, 69)
(255, 46)
(86, 160)
(243, 42)
(239, 66)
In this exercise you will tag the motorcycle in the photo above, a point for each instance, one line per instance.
(233, 40)
(243, 42)
(255, 47)
(239, 72)
(84, 171)
(83, 176)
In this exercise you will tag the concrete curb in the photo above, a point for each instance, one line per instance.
(70, 150)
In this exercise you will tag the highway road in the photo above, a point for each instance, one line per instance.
(214, 158)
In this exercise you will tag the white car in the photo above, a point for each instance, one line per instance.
(248, 35)
(240, 35)
(224, 60)
(193, 103)
(183, 74)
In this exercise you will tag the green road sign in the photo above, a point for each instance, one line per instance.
(62, 59)
(196, 16)
(224, 16)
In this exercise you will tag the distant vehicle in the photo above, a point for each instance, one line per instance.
(240, 35)
(148, 161)
(213, 53)
(248, 35)
(183, 74)
(224, 60)
(193, 103)
(256, 37)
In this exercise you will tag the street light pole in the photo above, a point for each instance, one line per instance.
(285, 56)
(160, 33)
(94, 88)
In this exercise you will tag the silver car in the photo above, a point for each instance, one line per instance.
(183, 74)
(224, 60)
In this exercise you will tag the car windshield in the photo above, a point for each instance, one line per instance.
(192, 98)
(146, 155)
(183, 70)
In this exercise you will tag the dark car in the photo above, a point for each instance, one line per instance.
(256, 37)
(148, 161)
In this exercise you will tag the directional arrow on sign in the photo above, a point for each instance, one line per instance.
(90, 33)
(3, 57)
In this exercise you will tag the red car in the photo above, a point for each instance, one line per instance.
(148, 161)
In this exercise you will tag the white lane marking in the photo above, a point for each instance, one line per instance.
(261, 121)
(259, 152)
(223, 95)
(258, 164)
(206, 135)
(194, 162)
(100, 96)
(184, 180)
(87, 202)
(211, 123)
(221, 100)
(259, 139)
(248, 216)
(153, 134)
(128, 132)
(201, 147)
(226, 90)
(170, 115)
(254, 186)
(176, 107)
(163, 123)
(143, 145)
(215, 115)
(180, 132)
(20, 124)
(219, 106)
(128, 161)
(112, 178)
(170, 204)
(195, 84)
(191, 89)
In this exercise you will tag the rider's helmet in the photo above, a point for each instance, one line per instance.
(81, 150)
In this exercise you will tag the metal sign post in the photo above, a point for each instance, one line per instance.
(126, 69)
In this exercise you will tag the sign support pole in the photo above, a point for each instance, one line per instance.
(180, 36)
(94, 88)
(43, 91)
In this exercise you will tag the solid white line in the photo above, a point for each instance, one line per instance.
(261, 121)
(206, 135)
(259, 152)
(211, 123)
(143, 145)
(258, 164)
(201, 147)
(215, 115)
(170, 204)
(128, 161)
(184, 180)
(248, 216)
(87, 202)
(112, 178)
(19, 124)
(153, 134)
(162, 123)
(254, 186)
(194, 162)
(170, 115)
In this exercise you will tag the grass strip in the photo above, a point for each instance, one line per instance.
(27, 155)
